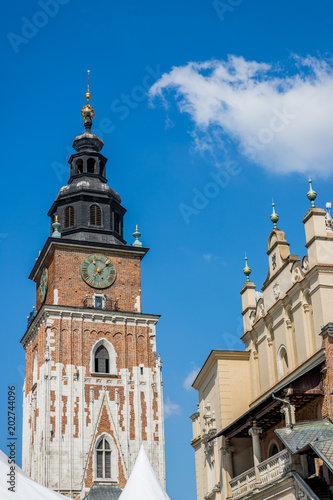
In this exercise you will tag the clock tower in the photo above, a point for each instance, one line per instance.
(93, 386)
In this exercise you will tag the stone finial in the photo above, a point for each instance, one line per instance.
(137, 235)
(247, 270)
(312, 195)
(274, 217)
(87, 111)
(56, 226)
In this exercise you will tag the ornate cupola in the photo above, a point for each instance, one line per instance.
(87, 208)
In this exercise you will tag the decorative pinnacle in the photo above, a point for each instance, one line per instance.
(56, 225)
(312, 195)
(247, 270)
(87, 111)
(274, 217)
(137, 235)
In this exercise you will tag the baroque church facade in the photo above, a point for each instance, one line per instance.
(264, 423)
(93, 386)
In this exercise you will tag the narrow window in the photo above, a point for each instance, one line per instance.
(95, 215)
(91, 166)
(79, 166)
(116, 222)
(69, 217)
(103, 452)
(101, 360)
(98, 302)
(283, 363)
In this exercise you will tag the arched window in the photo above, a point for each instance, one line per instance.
(101, 360)
(103, 459)
(79, 166)
(282, 359)
(91, 166)
(69, 217)
(273, 449)
(95, 215)
(116, 222)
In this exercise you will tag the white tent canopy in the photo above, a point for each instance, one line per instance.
(25, 488)
(143, 483)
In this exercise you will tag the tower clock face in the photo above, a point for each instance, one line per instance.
(43, 284)
(98, 271)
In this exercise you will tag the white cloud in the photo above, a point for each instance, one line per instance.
(209, 256)
(171, 408)
(283, 122)
(190, 378)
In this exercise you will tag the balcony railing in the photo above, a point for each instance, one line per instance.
(101, 302)
(274, 467)
(303, 491)
(243, 483)
(269, 470)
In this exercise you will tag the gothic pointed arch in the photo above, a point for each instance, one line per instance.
(282, 361)
(103, 358)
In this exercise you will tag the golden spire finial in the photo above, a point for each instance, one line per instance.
(87, 111)
(88, 95)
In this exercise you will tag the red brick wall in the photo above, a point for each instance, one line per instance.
(64, 275)
(327, 410)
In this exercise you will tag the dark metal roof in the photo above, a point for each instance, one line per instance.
(103, 492)
(306, 434)
(267, 411)
(324, 450)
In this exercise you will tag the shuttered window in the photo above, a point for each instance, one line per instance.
(95, 215)
(69, 217)
(103, 459)
(101, 360)
(116, 222)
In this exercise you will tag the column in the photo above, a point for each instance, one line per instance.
(255, 432)
(289, 414)
(227, 465)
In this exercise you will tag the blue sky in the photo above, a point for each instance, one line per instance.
(240, 110)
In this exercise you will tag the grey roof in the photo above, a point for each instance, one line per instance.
(103, 492)
(324, 450)
(304, 434)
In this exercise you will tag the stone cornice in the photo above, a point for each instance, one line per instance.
(89, 315)
(215, 356)
(52, 243)
(314, 211)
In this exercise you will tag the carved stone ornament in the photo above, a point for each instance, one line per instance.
(305, 264)
(276, 291)
(297, 274)
(252, 317)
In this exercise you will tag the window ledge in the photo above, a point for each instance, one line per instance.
(107, 375)
(101, 480)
